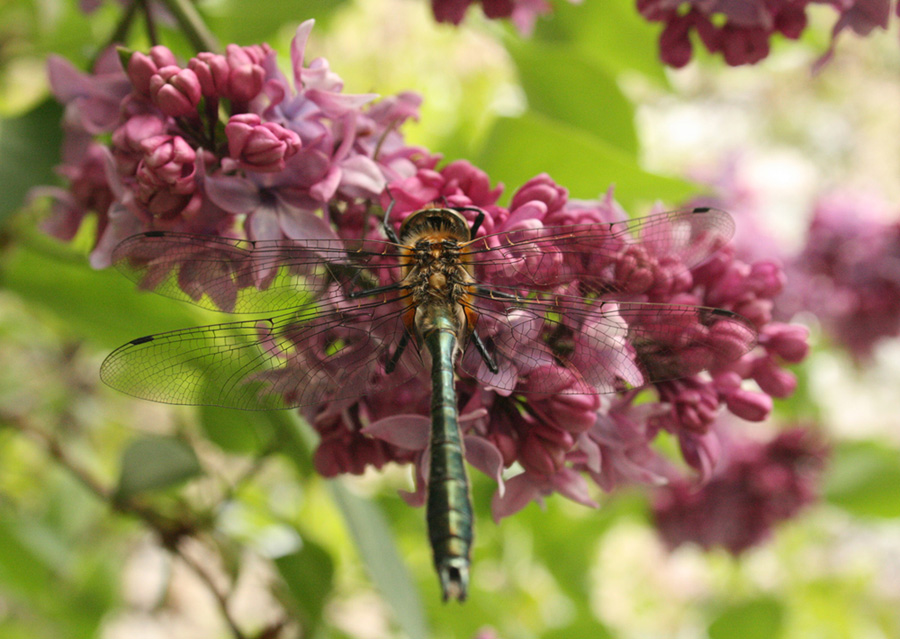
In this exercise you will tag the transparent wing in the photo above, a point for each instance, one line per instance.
(604, 257)
(243, 276)
(299, 358)
(570, 345)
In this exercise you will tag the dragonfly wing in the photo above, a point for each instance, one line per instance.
(243, 276)
(294, 359)
(604, 257)
(572, 346)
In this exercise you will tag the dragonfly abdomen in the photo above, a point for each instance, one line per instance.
(449, 508)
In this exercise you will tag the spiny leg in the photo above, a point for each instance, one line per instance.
(397, 354)
(485, 356)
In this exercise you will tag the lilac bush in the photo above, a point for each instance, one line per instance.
(224, 145)
(742, 31)
(227, 146)
(759, 484)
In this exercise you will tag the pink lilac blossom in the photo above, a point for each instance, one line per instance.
(558, 440)
(222, 145)
(235, 148)
(522, 13)
(741, 31)
(848, 273)
(758, 485)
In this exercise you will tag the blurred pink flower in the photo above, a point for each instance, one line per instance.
(522, 13)
(741, 31)
(848, 273)
(758, 485)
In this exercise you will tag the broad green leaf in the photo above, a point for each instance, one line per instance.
(517, 149)
(309, 576)
(375, 543)
(236, 431)
(231, 21)
(153, 463)
(863, 479)
(100, 305)
(29, 149)
(68, 593)
(755, 619)
(575, 90)
(612, 33)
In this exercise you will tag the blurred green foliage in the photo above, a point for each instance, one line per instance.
(62, 547)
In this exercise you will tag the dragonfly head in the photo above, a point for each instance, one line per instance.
(442, 223)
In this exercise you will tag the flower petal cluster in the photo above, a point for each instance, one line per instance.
(227, 145)
(522, 13)
(741, 31)
(224, 144)
(759, 485)
(848, 272)
(558, 438)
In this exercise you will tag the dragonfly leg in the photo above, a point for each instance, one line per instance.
(375, 291)
(479, 219)
(397, 354)
(495, 295)
(388, 231)
(488, 359)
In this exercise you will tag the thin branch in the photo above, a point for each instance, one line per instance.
(168, 529)
(192, 24)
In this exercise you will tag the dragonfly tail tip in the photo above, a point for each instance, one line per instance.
(454, 582)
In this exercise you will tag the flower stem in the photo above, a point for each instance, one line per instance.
(192, 24)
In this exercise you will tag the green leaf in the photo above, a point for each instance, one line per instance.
(517, 149)
(236, 431)
(376, 546)
(863, 479)
(763, 617)
(100, 305)
(309, 576)
(575, 90)
(231, 22)
(29, 146)
(152, 463)
(612, 33)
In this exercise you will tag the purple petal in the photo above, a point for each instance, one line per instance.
(236, 195)
(298, 47)
(486, 457)
(410, 432)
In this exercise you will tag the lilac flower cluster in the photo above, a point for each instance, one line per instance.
(558, 439)
(223, 145)
(848, 273)
(226, 146)
(758, 485)
(741, 31)
(522, 13)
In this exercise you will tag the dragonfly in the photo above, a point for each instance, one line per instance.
(351, 319)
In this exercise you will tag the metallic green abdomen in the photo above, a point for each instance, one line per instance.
(449, 509)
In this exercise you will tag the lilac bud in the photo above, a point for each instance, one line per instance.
(543, 452)
(212, 72)
(775, 381)
(127, 139)
(788, 341)
(166, 176)
(754, 407)
(260, 146)
(142, 67)
(246, 75)
(175, 91)
(767, 278)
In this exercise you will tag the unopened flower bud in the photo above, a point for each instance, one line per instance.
(260, 146)
(166, 176)
(175, 91)
(143, 66)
